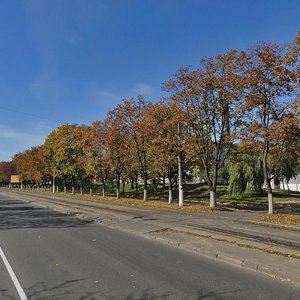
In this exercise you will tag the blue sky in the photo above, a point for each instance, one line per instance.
(71, 61)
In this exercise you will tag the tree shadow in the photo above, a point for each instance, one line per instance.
(4, 295)
(23, 215)
(75, 289)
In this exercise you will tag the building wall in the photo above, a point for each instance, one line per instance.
(292, 185)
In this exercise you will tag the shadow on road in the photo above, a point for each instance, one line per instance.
(75, 289)
(18, 215)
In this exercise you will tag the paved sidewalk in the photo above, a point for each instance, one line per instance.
(232, 237)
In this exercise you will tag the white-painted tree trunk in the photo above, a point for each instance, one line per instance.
(145, 195)
(180, 196)
(270, 203)
(170, 196)
(53, 184)
(180, 188)
(118, 193)
(212, 199)
(103, 192)
(73, 190)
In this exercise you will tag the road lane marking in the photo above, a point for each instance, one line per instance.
(13, 276)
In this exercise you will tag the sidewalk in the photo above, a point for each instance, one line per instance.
(231, 237)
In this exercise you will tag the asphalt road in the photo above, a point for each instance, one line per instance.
(57, 256)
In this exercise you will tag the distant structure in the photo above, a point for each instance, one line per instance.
(292, 185)
(15, 180)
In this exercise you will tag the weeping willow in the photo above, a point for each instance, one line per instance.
(245, 175)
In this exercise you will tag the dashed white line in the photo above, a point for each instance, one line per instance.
(13, 276)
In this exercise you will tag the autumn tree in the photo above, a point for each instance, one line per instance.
(7, 168)
(161, 126)
(32, 165)
(89, 160)
(268, 86)
(117, 141)
(209, 96)
(64, 152)
(100, 153)
(134, 111)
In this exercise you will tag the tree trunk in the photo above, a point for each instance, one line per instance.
(81, 190)
(136, 184)
(270, 203)
(163, 182)
(123, 186)
(73, 187)
(213, 188)
(155, 185)
(91, 186)
(131, 184)
(118, 186)
(267, 177)
(180, 188)
(145, 186)
(170, 194)
(103, 190)
(212, 199)
(65, 185)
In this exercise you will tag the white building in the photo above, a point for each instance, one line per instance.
(292, 185)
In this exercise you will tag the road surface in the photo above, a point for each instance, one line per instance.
(58, 256)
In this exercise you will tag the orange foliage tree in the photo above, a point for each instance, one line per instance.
(209, 96)
(7, 168)
(32, 165)
(64, 152)
(269, 84)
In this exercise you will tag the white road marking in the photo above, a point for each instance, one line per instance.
(13, 276)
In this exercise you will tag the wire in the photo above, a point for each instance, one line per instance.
(27, 114)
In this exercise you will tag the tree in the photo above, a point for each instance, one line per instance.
(100, 152)
(245, 168)
(134, 116)
(64, 152)
(161, 128)
(116, 130)
(32, 165)
(269, 82)
(89, 161)
(209, 96)
(7, 168)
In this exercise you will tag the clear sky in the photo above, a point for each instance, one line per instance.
(71, 61)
